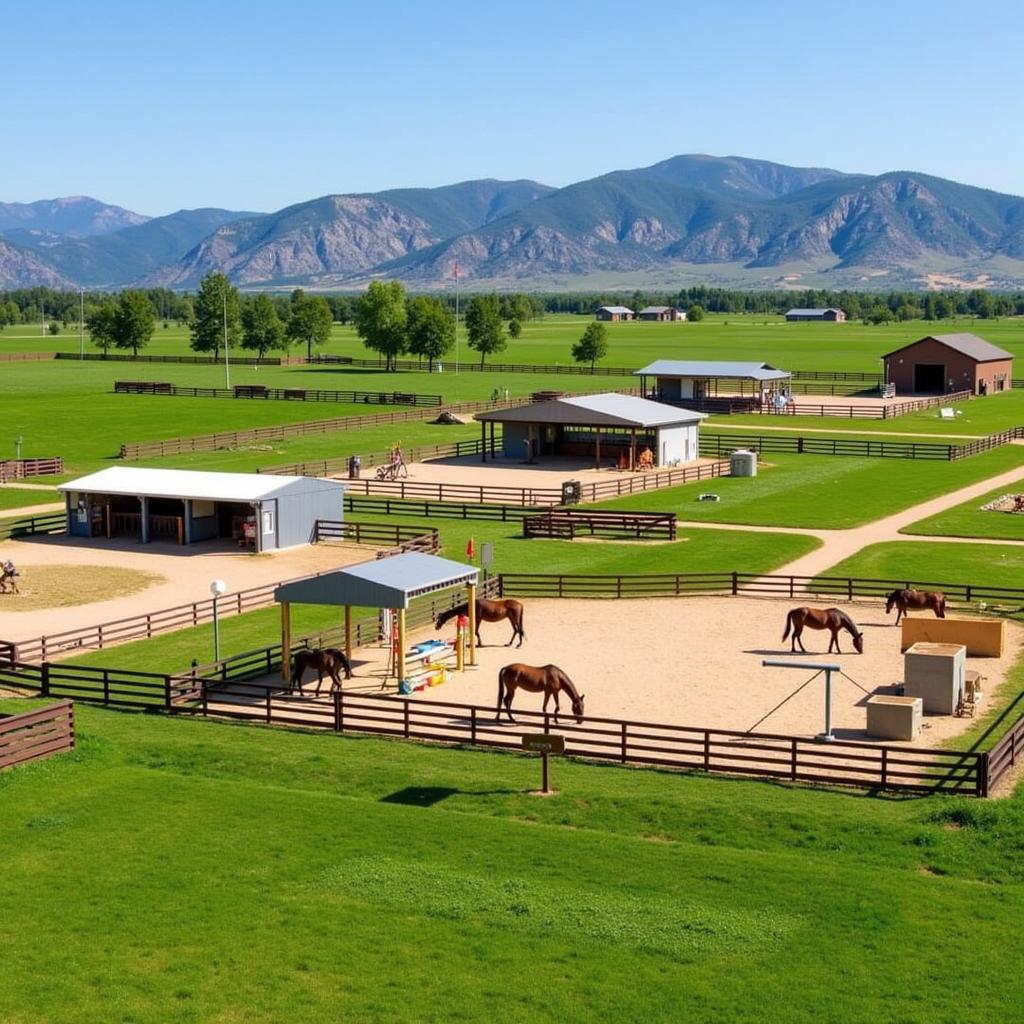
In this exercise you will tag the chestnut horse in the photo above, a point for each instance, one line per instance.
(329, 660)
(816, 618)
(901, 600)
(549, 679)
(490, 611)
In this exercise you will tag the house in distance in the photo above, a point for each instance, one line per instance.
(943, 363)
(661, 313)
(825, 315)
(614, 313)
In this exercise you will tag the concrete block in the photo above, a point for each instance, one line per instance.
(894, 718)
(983, 638)
(935, 673)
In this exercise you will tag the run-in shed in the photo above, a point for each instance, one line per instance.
(384, 583)
(696, 380)
(263, 512)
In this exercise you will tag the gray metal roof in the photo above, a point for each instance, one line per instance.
(383, 583)
(969, 345)
(616, 309)
(721, 369)
(189, 483)
(812, 312)
(607, 410)
(656, 309)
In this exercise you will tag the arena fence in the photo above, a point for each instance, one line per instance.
(384, 505)
(566, 524)
(20, 469)
(258, 391)
(37, 733)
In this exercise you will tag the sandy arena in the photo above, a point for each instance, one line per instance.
(693, 661)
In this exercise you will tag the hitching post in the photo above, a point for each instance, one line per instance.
(828, 669)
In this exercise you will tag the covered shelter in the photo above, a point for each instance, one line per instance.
(944, 363)
(262, 512)
(584, 426)
(827, 315)
(660, 313)
(615, 313)
(383, 583)
(696, 380)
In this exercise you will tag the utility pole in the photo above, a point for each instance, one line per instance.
(81, 324)
(227, 361)
(456, 315)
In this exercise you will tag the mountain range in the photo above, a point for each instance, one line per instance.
(685, 220)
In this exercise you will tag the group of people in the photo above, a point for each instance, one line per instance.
(778, 402)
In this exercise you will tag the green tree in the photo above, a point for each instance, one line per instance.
(215, 302)
(515, 328)
(484, 327)
(431, 329)
(593, 345)
(695, 312)
(309, 320)
(262, 329)
(381, 318)
(54, 327)
(134, 321)
(99, 321)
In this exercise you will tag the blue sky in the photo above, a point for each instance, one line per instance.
(258, 105)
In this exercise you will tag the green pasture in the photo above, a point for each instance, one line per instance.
(803, 346)
(198, 871)
(22, 497)
(968, 520)
(819, 491)
(993, 565)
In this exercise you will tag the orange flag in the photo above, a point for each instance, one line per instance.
(470, 550)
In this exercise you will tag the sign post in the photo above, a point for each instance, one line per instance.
(545, 744)
(487, 557)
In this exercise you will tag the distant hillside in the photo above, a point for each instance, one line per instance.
(78, 216)
(21, 268)
(685, 220)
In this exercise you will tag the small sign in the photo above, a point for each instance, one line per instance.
(544, 743)
(486, 554)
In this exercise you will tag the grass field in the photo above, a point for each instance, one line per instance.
(18, 497)
(823, 491)
(968, 520)
(191, 871)
(994, 565)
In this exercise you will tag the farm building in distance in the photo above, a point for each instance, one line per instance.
(259, 512)
(615, 313)
(943, 363)
(608, 427)
(661, 313)
(696, 380)
(828, 315)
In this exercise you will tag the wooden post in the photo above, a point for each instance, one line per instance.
(286, 641)
(483, 441)
(400, 659)
(471, 608)
(597, 448)
(632, 449)
(348, 633)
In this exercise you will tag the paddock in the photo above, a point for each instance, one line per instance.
(691, 661)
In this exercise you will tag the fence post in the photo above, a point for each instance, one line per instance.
(405, 718)
(336, 695)
(735, 583)
(793, 759)
(624, 744)
(981, 781)
(269, 707)
(167, 692)
(707, 750)
(44, 679)
(885, 767)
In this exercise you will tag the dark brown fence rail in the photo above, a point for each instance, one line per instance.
(383, 505)
(1006, 752)
(38, 733)
(567, 525)
(19, 469)
(400, 538)
(51, 522)
(417, 453)
(722, 444)
(257, 391)
(126, 357)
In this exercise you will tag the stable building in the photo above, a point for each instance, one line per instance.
(614, 313)
(609, 429)
(944, 363)
(261, 512)
(829, 315)
(699, 380)
(669, 313)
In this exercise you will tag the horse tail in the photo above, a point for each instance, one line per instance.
(501, 686)
(522, 632)
(789, 622)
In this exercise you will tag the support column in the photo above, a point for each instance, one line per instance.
(187, 503)
(492, 441)
(348, 633)
(144, 524)
(400, 660)
(632, 449)
(597, 449)
(68, 529)
(483, 440)
(471, 608)
(286, 641)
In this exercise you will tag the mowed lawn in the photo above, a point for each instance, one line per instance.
(195, 871)
(22, 497)
(968, 519)
(817, 491)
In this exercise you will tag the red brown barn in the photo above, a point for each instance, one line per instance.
(943, 363)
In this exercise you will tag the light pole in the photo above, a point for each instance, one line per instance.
(17, 447)
(81, 324)
(217, 587)
(227, 361)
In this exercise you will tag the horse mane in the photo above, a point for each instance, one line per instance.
(565, 682)
(846, 621)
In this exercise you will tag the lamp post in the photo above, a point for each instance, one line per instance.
(217, 587)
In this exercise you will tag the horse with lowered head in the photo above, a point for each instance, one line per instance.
(490, 611)
(901, 600)
(329, 660)
(833, 619)
(547, 679)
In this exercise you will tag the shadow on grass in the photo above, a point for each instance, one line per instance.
(428, 796)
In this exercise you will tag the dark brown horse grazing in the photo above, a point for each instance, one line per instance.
(817, 618)
(549, 679)
(490, 611)
(329, 660)
(901, 600)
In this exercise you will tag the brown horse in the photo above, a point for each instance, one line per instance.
(329, 660)
(816, 618)
(901, 600)
(490, 611)
(549, 679)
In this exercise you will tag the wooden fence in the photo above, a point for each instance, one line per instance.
(383, 505)
(1005, 753)
(257, 391)
(217, 360)
(39, 733)
(400, 538)
(722, 444)
(566, 524)
(20, 469)
(51, 522)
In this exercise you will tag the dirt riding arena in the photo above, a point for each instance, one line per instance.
(693, 661)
